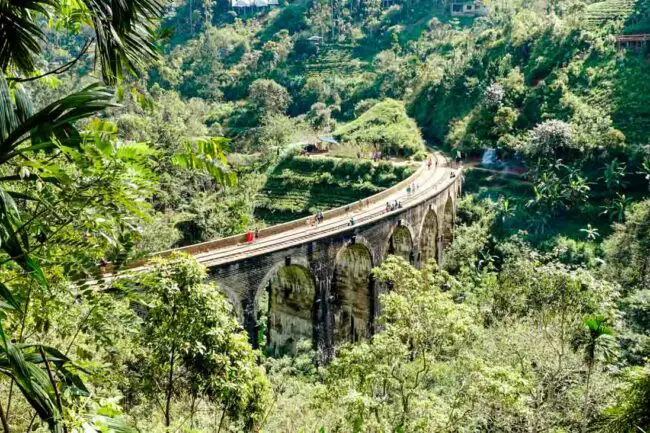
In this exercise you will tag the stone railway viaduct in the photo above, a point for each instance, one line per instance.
(319, 286)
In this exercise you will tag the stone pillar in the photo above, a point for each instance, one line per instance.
(323, 329)
(324, 334)
(250, 321)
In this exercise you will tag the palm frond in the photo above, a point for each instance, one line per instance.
(20, 36)
(125, 34)
(24, 106)
(124, 31)
(15, 241)
(8, 300)
(52, 125)
(8, 117)
(32, 381)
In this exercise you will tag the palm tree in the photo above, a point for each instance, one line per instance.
(613, 175)
(596, 342)
(616, 207)
(645, 170)
(591, 232)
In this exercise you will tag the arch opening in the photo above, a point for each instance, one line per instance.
(401, 243)
(429, 238)
(448, 224)
(352, 294)
(285, 310)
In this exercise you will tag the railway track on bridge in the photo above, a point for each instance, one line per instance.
(430, 183)
(326, 228)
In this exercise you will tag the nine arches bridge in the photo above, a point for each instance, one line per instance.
(315, 282)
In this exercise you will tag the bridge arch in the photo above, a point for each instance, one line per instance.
(352, 297)
(447, 223)
(429, 236)
(401, 242)
(285, 307)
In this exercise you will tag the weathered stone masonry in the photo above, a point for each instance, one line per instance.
(323, 289)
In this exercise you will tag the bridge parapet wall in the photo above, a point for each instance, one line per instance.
(301, 222)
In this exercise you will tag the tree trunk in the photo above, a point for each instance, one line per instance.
(223, 416)
(562, 329)
(645, 275)
(586, 403)
(59, 403)
(192, 410)
(170, 387)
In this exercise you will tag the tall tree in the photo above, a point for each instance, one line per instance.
(196, 346)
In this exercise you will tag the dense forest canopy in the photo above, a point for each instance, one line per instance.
(134, 126)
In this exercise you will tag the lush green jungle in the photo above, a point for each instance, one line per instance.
(134, 126)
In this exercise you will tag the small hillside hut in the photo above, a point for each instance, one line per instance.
(468, 8)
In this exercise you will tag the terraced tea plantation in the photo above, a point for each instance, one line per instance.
(333, 60)
(632, 13)
(301, 186)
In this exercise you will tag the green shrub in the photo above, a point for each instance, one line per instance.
(420, 156)
(386, 126)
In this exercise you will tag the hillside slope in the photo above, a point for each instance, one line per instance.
(300, 186)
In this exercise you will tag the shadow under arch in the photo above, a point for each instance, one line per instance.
(401, 243)
(285, 308)
(448, 223)
(429, 237)
(352, 303)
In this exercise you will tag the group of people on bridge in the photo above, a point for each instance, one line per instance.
(316, 219)
(412, 188)
(392, 205)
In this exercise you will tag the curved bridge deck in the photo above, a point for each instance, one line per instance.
(221, 251)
